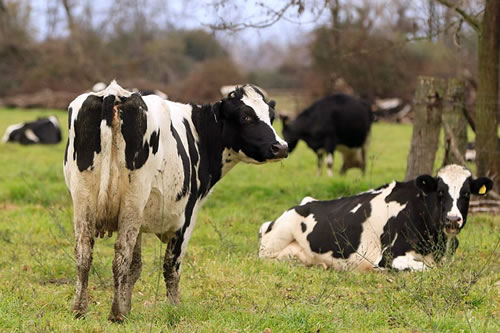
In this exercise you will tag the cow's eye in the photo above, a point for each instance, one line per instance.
(440, 194)
(466, 194)
(247, 119)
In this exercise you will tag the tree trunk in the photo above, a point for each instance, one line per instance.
(3, 21)
(428, 110)
(454, 123)
(75, 39)
(488, 153)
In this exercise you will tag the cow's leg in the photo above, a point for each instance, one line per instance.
(171, 270)
(128, 232)
(276, 238)
(135, 270)
(344, 167)
(363, 159)
(330, 146)
(320, 162)
(84, 224)
(294, 251)
(176, 249)
(329, 163)
(408, 262)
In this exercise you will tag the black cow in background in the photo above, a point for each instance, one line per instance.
(42, 130)
(336, 120)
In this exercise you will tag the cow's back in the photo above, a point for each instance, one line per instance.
(340, 119)
(350, 118)
(114, 152)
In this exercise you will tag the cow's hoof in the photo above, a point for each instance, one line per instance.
(79, 312)
(79, 315)
(173, 299)
(116, 318)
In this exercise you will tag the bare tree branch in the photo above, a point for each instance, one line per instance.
(271, 16)
(69, 15)
(468, 18)
(453, 144)
(275, 17)
(469, 118)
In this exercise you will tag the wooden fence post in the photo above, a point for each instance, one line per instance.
(454, 123)
(425, 138)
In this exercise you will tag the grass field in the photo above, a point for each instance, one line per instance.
(224, 286)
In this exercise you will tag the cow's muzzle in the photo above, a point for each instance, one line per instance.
(279, 150)
(452, 224)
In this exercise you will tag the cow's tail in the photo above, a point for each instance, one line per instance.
(106, 127)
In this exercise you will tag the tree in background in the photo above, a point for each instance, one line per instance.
(129, 42)
(487, 103)
(16, 43)
(327, 50)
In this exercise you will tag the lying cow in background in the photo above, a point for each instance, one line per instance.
(138, 164)
(409, 225)
(42, 130)
(330, 122)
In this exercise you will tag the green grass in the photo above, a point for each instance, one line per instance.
(224, 286)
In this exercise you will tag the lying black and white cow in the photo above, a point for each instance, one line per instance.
(42, 130)
(144, 164)
(409, 225)
(333, 121)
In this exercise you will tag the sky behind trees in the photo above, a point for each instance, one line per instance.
(179, 14)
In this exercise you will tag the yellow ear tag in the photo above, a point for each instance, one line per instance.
(482, 190)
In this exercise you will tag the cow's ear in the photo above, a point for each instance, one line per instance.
(272, 104)
(217, 110)
(481, 186)
(285, 119)
(426, 183)
(225, 109)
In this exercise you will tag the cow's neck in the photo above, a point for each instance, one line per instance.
(434, 240)
(214, 160)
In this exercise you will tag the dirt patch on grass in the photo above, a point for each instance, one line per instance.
(57, 282)
(8, 206)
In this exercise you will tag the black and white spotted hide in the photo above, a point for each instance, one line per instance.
(404, 226)
(136, 164)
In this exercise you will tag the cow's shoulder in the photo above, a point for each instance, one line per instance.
(404, 193)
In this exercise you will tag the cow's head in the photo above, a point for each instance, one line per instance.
(288, 134)
(247, 126)
(451, 189)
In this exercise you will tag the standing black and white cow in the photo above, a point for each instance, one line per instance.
(144, 164)
(409, 225)
(43, 130)
(336, 120)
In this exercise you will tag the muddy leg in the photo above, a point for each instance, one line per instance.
(320, 163)
(128, 231)
(329, 164)
(84, 236)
